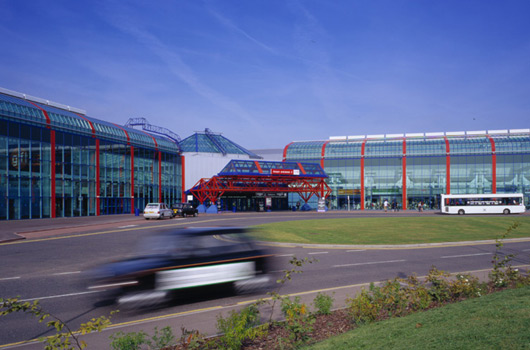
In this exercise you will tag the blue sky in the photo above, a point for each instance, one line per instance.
(268, 72)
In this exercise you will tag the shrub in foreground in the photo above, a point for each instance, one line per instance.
(239, 326)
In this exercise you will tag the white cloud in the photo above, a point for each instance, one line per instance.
(175, 64)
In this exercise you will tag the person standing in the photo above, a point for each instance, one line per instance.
(385, 204)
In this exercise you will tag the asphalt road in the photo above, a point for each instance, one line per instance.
(50, 264)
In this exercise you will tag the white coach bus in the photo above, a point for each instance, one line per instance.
(482, 204)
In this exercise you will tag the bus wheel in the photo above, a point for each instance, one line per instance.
(506, 211)
(461, 212)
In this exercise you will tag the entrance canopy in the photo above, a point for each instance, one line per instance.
(306, 179)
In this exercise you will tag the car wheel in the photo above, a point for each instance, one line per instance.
(147, 218)
(506, 211)
(461, 212)
(195, 214)
(252, 285)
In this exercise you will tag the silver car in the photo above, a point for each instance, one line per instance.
(157, 211)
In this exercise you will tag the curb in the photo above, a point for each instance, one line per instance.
(389, 246)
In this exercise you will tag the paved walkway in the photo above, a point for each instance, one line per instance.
(13, 230)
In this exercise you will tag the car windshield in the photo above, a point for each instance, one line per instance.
(152, 206)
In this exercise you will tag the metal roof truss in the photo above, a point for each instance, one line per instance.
(213, 188)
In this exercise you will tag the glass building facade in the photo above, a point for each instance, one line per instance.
(210, 142)
(57, 162)
(410, 170)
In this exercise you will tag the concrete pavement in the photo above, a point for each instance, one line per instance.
(13, 230)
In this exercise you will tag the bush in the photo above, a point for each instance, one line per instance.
(129, 341)
(192, 339)
(397, 297)
(298, 321)
(238, 327)
(135, 340)
(162, 339)
(466, 286)
(323, 304)
(439, 288)
(417, 294)
(362, 308)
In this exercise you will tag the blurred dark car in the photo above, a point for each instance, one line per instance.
(175, 261)
(184, 209)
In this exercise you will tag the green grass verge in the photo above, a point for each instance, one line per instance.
(496, 321)
(392, 230)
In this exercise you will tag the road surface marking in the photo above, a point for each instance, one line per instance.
(284, 255)
(126, 226)
(316, 253)
(355, 250)
(66, 273)
(60, 296)
(9, 278)
(464, 255)
(370, 263)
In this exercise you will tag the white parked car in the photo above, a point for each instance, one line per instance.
(157, 211)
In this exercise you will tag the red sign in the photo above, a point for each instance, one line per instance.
(284, 172)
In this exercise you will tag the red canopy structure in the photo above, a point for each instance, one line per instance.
(306, 179)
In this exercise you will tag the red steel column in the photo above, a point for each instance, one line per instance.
(89, 123)
(404, 174)
(301, 168)
(183, 161)
(258, 167)
(447, 167)
(285, 151)
(323, 154)
(493, 166)
(132, 180)
(160, 176)
(362, 174)
(98, 181)
(52, 187)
